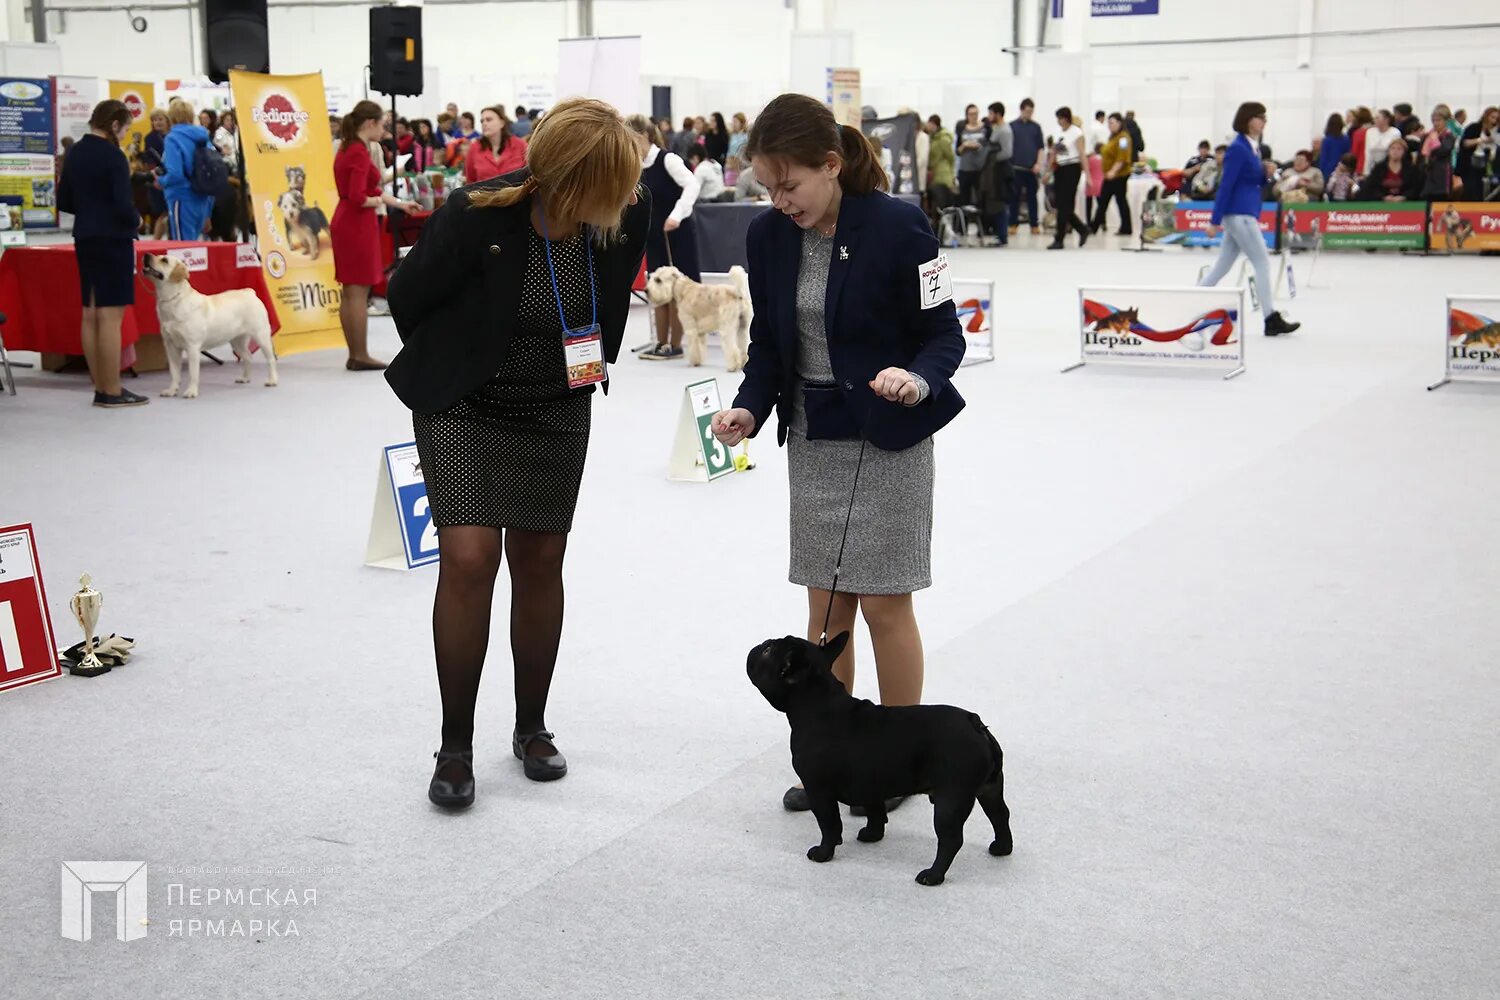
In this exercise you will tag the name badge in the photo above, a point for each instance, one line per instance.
(935, 281)
(583, 352)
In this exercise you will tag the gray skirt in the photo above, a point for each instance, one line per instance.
(890, 533)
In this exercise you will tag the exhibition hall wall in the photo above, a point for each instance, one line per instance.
(1173, 68)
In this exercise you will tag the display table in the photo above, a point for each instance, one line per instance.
(722, 226)
(40, 298)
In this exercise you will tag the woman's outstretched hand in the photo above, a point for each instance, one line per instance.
(733, 426)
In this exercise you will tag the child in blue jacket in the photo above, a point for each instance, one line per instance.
(187, 210)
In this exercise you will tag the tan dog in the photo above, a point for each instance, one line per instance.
(192, 322)
(702, 308)
(305, 224)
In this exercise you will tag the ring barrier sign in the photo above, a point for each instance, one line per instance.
(402, 535)
(975, 302)
(698, 456)
(1472, 341)
(27, 650)
(1196, 328)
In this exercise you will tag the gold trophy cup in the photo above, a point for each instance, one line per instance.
(86, 604)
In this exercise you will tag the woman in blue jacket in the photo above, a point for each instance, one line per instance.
(1237, 209)
(187, 210)
(853, 344)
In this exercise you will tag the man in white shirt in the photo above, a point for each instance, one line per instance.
(1097, 133)
(1379, 138)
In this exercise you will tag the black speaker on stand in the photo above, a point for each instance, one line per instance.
(235, 37)
(396, 68)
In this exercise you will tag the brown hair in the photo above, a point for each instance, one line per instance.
(583, 163)
(484, 140)
(108, 114)
(1247, 111)
(364, 111)
(1362, 117)
(641, 125)
(802, 130)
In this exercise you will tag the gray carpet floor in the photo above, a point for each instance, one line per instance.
(1236, 639)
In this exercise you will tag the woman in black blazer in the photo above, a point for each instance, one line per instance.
(509, 307)
(95, 189)
(853, 344)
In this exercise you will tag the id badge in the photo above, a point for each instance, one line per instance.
(583, 352)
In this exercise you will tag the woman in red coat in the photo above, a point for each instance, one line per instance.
(356, 229)
(496, 152)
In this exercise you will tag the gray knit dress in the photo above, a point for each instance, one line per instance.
(890, 533)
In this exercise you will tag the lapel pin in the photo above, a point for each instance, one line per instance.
(843, 253)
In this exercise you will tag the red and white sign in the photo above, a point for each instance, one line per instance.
(193, 258)
(245, 256)
(27, 651)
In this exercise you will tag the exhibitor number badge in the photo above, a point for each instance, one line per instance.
(583, 352)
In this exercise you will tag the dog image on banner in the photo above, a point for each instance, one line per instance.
(289, 167)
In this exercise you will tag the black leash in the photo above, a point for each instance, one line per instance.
(839, 563)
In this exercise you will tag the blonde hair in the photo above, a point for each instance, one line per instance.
(158, 113)
(584, 164)
(180, 112)
(641, 125)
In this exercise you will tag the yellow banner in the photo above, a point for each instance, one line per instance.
(139, 98)
(289, 170)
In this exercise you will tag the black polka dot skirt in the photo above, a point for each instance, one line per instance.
(511, 453)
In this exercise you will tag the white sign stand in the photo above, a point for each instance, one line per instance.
(697, 456)
(402, 535)
(1471, 349)
(1123, 338)
(975, 302)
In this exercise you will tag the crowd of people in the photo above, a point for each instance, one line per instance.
(1385, 155)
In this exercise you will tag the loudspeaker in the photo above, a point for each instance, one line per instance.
(396, 50)
(234, 37)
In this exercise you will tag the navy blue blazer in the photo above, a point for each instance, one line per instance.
(874, 318)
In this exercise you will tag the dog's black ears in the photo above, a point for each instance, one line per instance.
(835, 647)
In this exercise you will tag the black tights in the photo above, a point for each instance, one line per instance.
(469, 562)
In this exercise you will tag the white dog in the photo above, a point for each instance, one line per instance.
(702, 308)
(192, 322)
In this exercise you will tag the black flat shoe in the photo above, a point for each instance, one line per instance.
(538, 768)
(1276, 325)
(452, 794)
(891, 805)
(795, 800)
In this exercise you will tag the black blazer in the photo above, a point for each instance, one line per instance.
(455, 296)
(95, 189)
(1373, 188)
(874, 318)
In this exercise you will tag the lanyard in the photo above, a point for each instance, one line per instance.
(588, 249)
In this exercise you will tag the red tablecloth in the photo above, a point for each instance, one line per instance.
(43, 309)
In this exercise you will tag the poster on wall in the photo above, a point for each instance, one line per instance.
(28, 191)
(289, 168)
(974, 302)
(1465, 226)
(73, 100)
(845, 96)
(1198, 328)
(1186, 224)
(1357, 225)
(1473, 347)
(27, 124)
(897, 138)
(139, 99)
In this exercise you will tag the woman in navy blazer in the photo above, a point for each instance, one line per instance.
(853, 345)
(1237, 208)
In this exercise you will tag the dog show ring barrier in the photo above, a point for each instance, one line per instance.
(1199, 328)
(1471, 342)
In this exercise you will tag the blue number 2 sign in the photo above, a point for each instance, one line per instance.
(418, 533)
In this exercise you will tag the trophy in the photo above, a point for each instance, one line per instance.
(86, 604)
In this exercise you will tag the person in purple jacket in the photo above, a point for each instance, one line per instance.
(1237, 209)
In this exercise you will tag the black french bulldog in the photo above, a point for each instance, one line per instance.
(846, 749)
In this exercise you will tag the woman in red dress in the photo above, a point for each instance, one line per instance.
(356, 229)
(496, 152)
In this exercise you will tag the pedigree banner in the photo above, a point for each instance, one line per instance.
(289, 169)
(139, 99)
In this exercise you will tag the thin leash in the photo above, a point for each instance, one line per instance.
(838, 564)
